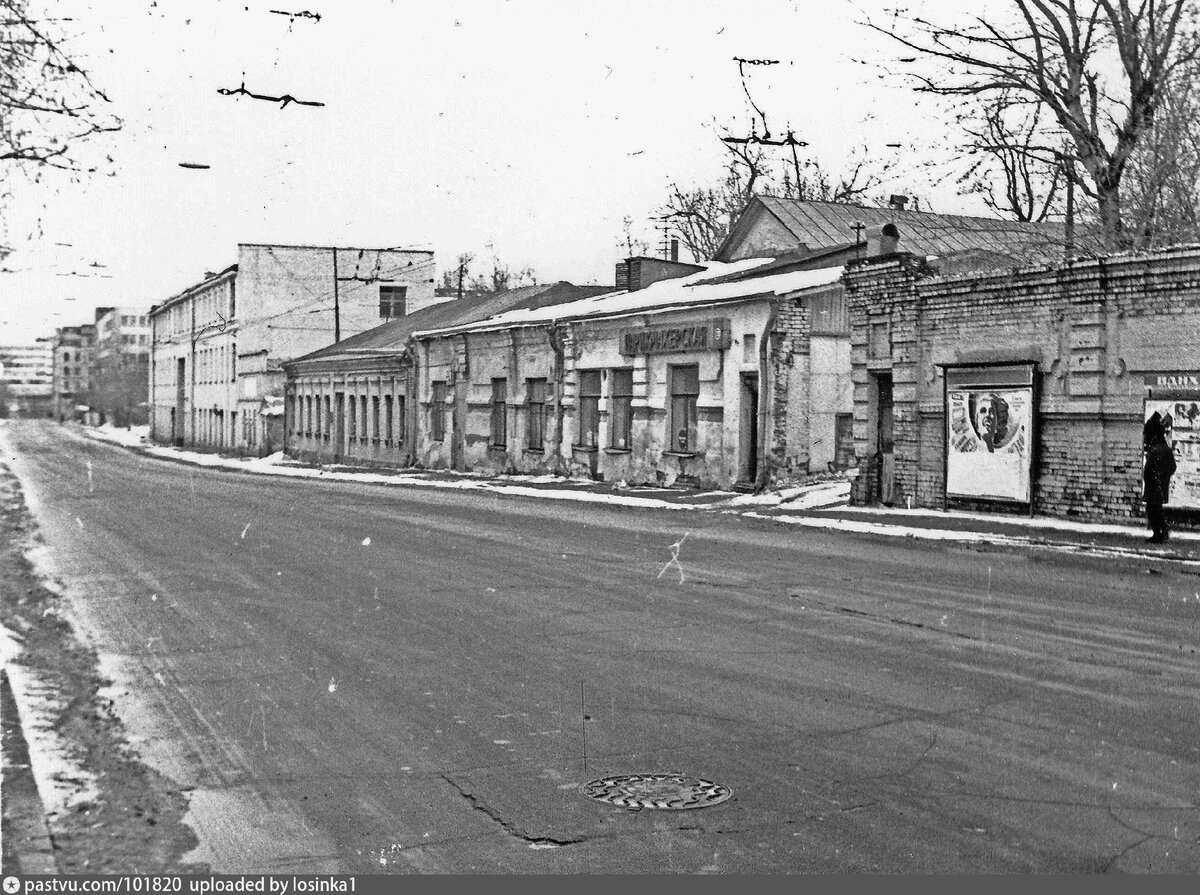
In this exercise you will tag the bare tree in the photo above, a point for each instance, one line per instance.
(499, 279)
(703, 216)
(1163, 177)
(48, 103)
(1097, 67)
(1013, 178)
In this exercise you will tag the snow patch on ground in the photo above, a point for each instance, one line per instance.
(62, 782)
(1023, 521)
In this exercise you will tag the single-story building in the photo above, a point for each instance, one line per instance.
(1025, 391)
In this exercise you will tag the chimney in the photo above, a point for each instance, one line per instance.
(889, 238)
(674, 248)
(897, 201)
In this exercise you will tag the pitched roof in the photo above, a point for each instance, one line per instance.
(715, 283)
(820, 225)
(392, 337)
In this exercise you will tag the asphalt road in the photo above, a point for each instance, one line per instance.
(430, 699)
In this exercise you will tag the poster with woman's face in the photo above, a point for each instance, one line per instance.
(988, 442)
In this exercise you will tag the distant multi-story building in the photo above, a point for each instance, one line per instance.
(74, 349)
(26, 380)
(119, 375)
(217, 347)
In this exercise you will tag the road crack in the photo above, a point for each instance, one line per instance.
(508, 827)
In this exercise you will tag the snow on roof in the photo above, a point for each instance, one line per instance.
(665, 295)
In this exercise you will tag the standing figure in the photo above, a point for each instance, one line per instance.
(1160, 466)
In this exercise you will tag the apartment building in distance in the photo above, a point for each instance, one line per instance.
(74, 351)
(216, 378)
(26, 380)
(119, 375)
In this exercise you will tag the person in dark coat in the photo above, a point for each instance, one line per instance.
(1160, 466)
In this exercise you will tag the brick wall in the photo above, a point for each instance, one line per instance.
(1092, 327)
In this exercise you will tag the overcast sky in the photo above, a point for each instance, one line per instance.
(530, 127)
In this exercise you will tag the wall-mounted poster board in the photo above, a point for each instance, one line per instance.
(989, 432)
(1175, 397)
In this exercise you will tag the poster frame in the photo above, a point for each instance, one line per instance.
(1028, 380)
(1171, 386)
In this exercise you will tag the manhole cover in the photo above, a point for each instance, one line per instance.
(674, 792)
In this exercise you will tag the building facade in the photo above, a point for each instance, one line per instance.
(27, 380)
(657, 385)
(1025, 391)
(74, 353)
(811, 429)
(354, 402)
(118, 379)
(216, 370)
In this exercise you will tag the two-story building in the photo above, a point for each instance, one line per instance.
(218, 346)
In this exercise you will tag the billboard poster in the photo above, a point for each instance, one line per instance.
(989, 442)
(1182, 419)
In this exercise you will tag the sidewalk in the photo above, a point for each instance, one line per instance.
(820, 504)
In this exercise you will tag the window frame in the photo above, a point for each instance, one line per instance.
(535, 414)
(587, 429)
(391, 297)
(685, 398)
(620, 414)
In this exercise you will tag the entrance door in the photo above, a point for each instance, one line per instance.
(748, 428)
(339, 424)
(885, 451)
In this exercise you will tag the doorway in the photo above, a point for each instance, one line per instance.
(885, 444)
(748, 429)
(339, 425)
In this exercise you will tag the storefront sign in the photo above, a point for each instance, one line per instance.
(989, 435)
(1173, 381)
(1182, 420)
(705, 335)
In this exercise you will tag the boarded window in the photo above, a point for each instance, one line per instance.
(437, 412)
(499, 412)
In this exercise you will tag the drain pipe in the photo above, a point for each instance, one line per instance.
(554, 336)
(764, 390)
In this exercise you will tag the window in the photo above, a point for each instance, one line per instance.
(749, 348)
(621, 413)
(308, 415)
(535, 414)
(499, 412)
(685, 389)
(375, 418)
(317, 416)
(437, 412)
(387, 419)
(328, 417)
(589, 408)
(352, 427)
(362, 420)
(392, 301)
(400, 417)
